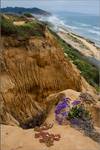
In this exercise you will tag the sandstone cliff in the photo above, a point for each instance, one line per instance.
(31, 70)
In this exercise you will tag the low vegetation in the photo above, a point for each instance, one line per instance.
(7, 26)
(78, 116)
(88, 71)
(29, 15)
(29, 28)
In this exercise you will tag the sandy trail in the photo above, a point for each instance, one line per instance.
(19, 23)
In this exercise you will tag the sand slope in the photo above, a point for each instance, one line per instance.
(14, 138)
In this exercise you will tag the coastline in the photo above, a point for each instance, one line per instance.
(33, 81)
(89, 49)
(84, 46)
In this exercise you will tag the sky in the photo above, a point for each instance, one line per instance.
(82, 6)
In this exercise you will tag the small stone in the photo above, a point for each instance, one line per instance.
(41, 140)
(37, 129)
(37, 135)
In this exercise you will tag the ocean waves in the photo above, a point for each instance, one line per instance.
(94, 32)
(85, 29)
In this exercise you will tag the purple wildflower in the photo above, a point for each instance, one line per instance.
(74, 121)
(64, 114)
(61, 106)
(59, 119)
(76, 102)
(66, 99)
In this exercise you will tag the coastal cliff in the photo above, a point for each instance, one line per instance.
(33, 66)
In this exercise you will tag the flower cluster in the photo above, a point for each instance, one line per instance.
(67, 110)
(61, 110)
(76, 114)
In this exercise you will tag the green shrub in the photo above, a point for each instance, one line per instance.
(26, 30)
(88, 71)
(28, 15)
(30, 29)
(7, 27)
(78, 112)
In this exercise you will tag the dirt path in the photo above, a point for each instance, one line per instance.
(18, 23)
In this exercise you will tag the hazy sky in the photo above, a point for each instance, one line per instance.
(83, 6)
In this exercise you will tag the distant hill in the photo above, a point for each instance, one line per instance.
(21, 10)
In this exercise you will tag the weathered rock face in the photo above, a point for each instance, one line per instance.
(30, 71)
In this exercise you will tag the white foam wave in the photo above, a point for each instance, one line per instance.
(59, 25)
(97, 28)
(84, 25)
(95, 32)
(71, 27)
(55, 20)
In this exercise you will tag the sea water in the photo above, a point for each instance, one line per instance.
(86, 25)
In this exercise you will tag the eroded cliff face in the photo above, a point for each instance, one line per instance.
(31, 70)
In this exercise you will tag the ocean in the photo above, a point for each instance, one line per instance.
(84, 25)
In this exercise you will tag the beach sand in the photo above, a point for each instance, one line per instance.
(82, 45)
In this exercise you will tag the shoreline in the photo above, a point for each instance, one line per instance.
(58, 23)
(89, 49)
(81, 36)
(84, 46)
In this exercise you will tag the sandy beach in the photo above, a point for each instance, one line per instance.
(82, 45)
